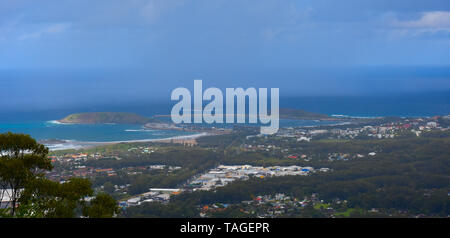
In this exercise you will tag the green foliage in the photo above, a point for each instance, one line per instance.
(105, 117)
(192, 161)
(108, 187)
(22, 161)
(407, 174)
(290, 113)
(102, 206)
(55, 200)
(22, 165)
(159, 210)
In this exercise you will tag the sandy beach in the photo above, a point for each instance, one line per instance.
(188, 140)
(175, 138)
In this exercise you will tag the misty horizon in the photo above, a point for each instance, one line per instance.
(84, 54)
(44, 89)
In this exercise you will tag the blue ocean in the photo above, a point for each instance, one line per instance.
(89, 133)
(52, 130)
(41, 124)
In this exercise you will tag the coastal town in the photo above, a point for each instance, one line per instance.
(224, 109)
(288, 160)
(382, 130)
(225, 173)
(277, 205)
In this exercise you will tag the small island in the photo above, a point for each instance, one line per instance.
(118, 118)
(289, 113)
(105, 118)
(153, 123)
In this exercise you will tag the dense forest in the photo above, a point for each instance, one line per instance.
(191, 160)
(409, 174)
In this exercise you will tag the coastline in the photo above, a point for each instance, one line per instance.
(69, 144)
(194, 136)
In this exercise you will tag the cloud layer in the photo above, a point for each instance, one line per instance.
(235, 33)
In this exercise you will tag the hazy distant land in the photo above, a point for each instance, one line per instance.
(133, 118)
(295, 114)
(289, 113)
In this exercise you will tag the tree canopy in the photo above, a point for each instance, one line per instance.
(23, 163)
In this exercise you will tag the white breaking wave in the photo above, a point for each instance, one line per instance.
(357, 117)
(54, 122)
(66, 146)
(138, 130)
(72, 144)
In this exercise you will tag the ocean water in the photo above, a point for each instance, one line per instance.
(46, 130)
(418, 104)
(41, 125)
(88, 133)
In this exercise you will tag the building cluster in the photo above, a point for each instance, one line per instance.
(225, 174)
(380, 131)
(270, 206)
(143, 149)
(285, 142)
(77, 159)
(82, 171)
(154, 195)
(142, 169)
(273, 205)
(74, 165)
(347, 156)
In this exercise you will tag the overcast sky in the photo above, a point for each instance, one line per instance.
(77, 50)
